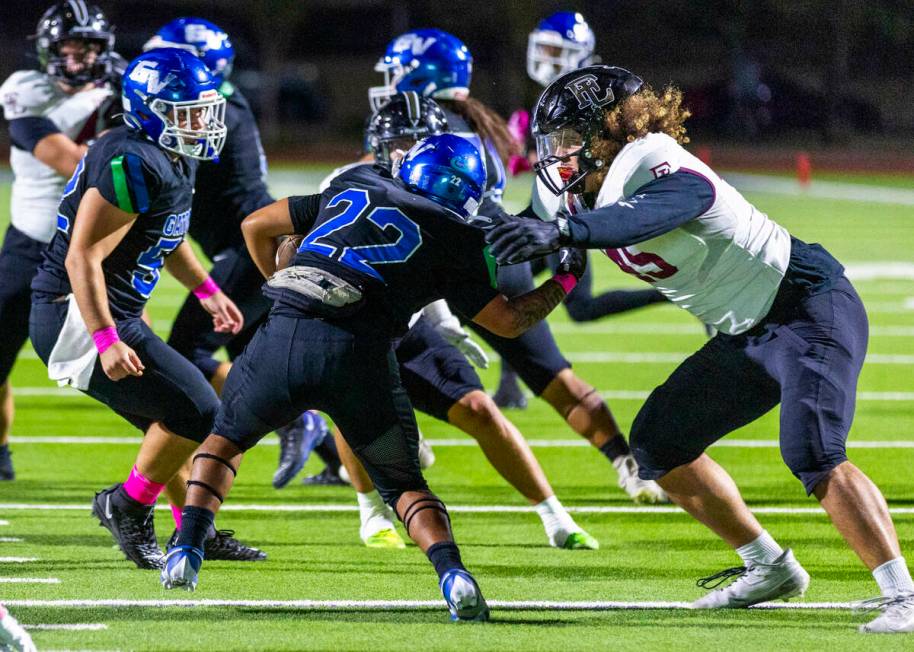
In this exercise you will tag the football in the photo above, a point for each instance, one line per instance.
(286, 250)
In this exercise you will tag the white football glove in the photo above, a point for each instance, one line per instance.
(12, 635)
(448, 326)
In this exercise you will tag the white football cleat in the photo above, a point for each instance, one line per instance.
(781, 580)
(426, 454)
(12, 635)
(645, 492)
(377, 528)
(897, 615)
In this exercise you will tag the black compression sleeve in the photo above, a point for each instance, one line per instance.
(303, 210)
(26, 132)
(654, 209)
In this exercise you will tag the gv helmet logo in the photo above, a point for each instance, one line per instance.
(587, 92)
(212, 40)
(414, 43)
(146, 73)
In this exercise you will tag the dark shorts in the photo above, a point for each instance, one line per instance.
(192, 333)
(435, 374)
(807, 357)
(534, 355)
(171, 390)
(294, 364)
(19, 260)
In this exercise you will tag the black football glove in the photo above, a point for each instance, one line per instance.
(572, 261)
(518, 239)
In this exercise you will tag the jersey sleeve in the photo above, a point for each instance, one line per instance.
(128, 182)
(303, 211)
(25, 133)
(26, 94)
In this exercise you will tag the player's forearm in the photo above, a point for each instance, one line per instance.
(60, 153)
(184, 266)
(88, 282)
(512, 317)
(260, 230)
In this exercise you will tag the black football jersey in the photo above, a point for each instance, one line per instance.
(402, 249)
(234, 186)
(134, 174)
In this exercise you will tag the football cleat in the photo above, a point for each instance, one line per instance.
(12, 635)
(296, 441)
(897, 615)
(132, 528)
(580, 541)
(781, 580)
(463, 597)
(325, 478)
(182, 565)
(643, 492)
(387, 538)
(225, 547)
(426, 454)
(6, 464)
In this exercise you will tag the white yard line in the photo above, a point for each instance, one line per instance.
(459, 443)
(71, 627)
(11, 540)
(658, 357)
(17, 560)
(29, 580)
(372, 605)
(4, 522)
(465, 509)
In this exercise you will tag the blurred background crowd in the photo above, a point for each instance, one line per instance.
(770, 75)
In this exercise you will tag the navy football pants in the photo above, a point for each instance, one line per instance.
(19, 260)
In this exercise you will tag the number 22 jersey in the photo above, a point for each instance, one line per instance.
(134, 174)
(402, 250)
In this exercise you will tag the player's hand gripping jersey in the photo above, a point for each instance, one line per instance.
(36, 107)
(137, 176)
(410, 252)
(680, 227)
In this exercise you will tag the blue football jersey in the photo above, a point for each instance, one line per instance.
(402, 250)
(137, 176)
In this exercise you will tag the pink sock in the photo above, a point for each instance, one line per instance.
(176, 514)
(142, 489)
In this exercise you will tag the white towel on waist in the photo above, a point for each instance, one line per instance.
(73, 357)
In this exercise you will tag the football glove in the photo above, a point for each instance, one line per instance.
(518, 239)
(572, 261)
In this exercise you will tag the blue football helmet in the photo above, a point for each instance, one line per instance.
(429, 61)
(172, 97)
(203, 38)
(447, 169)
(560, 43)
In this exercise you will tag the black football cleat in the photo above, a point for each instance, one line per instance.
(6, 464)
(224, 546)
(131, 525)
(509, 395)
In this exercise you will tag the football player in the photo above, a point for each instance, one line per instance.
(438, 378)
(439, 65)
(53, 112)
(226, 191)
(791, 328)
(378, 248)
(122, 217)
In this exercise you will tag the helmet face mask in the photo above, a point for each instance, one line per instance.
(196, 128)
(400, 123)
(561, 43)
(558, 160)
(74, 42)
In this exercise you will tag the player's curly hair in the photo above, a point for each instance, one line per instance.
(487, 123)
(643, 113)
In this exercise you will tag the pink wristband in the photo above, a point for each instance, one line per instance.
(104, 338)
(206, 289)
(566, 280)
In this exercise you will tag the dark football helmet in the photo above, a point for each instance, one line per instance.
(398, 124)
(77, 21)
(567, 117)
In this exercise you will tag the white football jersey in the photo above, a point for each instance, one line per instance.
(724, 267)
(36, 186)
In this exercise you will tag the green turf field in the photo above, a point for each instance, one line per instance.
(647, 555)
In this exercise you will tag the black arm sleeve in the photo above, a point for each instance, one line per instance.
(654, 209)
(303, 210)
(26, 132)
